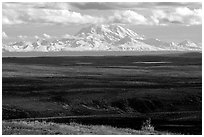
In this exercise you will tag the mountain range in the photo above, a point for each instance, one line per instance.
(101, 38)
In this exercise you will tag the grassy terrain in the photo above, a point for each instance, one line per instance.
(110, 85)
(87, 53)
(49, 128)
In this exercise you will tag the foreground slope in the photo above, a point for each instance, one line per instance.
(49, 128)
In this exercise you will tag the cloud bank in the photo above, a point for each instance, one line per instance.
(132, 5)
(62, 13)
(128, 17)
(180, 15)
(4, 35)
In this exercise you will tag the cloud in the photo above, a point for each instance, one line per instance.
(137, 14)
(67, 36)
(36, 37)
(132, 5)
(36, 5)
(46, 36)
(53, 5)
(11, 17)
(93, 5)
(22, 37)
(191, 5)
(128, 17)
(16, 14)
(184, 11)
(63, 17)
(179, 15)
(4, 35)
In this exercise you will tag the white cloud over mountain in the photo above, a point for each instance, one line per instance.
(62, 13)
(128, 17)
(4, 35)
(46, 36)
(15, 16)
(36, 37)
(131, 5)
(180, 15)
(22, 37)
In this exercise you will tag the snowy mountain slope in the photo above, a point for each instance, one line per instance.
(187, 44)
(101, 37)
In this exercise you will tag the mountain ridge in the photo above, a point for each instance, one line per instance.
(102, 38)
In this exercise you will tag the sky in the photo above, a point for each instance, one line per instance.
(168, 21)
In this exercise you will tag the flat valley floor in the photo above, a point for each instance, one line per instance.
(118, 91)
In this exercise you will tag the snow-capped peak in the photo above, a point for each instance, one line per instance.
(188, 43)
(104, 37)
(112, 30)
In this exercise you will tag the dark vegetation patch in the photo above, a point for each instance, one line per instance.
(176, 59)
